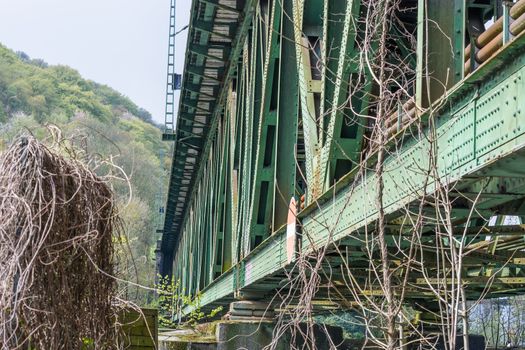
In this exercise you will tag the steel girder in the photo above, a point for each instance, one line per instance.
(274, 132)
(478, 151)
(215, 36)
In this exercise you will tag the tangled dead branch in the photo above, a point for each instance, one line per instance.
(57, 220)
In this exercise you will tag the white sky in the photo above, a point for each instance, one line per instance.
(121, 43)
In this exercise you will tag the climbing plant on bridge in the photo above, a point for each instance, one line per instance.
(171, 302)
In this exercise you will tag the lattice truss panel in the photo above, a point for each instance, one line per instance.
(266, 115)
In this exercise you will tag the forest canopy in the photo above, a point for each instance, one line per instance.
(35, 88)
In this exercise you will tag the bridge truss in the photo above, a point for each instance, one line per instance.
(266, 116)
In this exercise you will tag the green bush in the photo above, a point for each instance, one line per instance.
(172, 301)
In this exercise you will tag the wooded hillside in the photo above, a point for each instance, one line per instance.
(107, 125)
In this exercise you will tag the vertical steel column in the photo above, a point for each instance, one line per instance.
(441, 66)
(340, 151)
(308, 88)
(264, 170)
(287, 118)
(227, 256)
(236, 132)
(253, 61)
(216, 257)
(420, 54)
(459, 39)
(507, 35)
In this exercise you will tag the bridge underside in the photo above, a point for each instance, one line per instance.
(275, 106)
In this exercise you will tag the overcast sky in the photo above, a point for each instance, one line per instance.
(121, 43)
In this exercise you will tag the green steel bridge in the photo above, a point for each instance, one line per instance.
(258, 136)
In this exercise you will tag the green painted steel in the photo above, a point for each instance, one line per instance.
(470, 139)
(499, 151)
(261, 121)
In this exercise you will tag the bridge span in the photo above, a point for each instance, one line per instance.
(283, 119)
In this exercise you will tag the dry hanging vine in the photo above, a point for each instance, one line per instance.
(56, 251)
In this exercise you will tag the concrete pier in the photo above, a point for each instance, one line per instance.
(254, 335)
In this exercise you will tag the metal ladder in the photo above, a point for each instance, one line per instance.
(169, 122)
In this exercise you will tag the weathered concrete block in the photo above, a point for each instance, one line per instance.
(140, 329)
(183, 345)
(476, 342)
(233, 335)
(186, 339)
(254, 335)
(247, 335)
